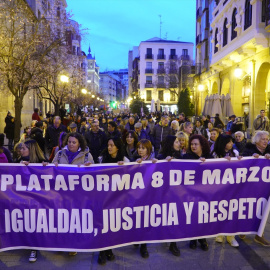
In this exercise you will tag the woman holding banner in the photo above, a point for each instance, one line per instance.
(198, 149)
(114, 153)
(31, 153)
(258, 147)
(171, 149)
(224, 149)
(144, 150)
(75, 152)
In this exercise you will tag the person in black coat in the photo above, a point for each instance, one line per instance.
(96, 140)
(53, 132)
(112, 130)
(198, 149)
(37, 135)
(9, 130)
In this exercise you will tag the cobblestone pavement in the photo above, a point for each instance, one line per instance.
(248, 256)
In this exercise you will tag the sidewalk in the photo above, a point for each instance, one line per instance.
(248, 256)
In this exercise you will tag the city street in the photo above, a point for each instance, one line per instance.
(248, 256)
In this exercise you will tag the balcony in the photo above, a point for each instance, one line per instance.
(149, 85)
(161, 57)
(173, 57)
(185, 57)
(160, 85)
(161, 71)
(149, 56)
(172, 71)
(149, 70)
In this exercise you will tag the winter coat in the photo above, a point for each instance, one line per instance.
(251, 149)
(261, 124)
(129, 127)
(9, 128)
(35, 116)
(132, 156)
(240, 146)
(62, 158)
(192, 155)
(37, 135)
(160, 133)
(52, 136)
(96, 142)
(200, 131)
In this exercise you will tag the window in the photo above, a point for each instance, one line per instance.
(161, 54)
(216, 41)
(234, 33)
(160, 65)
(185, 52)
(161, 95)
(148, 65)
(149, 53)
(248, 15)
(149, 79)
(161, 79)
(172, 96)
(173, 52)
(148, 95)
(225, 33)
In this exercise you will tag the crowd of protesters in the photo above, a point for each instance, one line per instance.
(84, 139)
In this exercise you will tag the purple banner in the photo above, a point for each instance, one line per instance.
(92, 208)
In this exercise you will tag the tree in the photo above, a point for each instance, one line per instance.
(25, 43)
(184, 103)
(136, 106)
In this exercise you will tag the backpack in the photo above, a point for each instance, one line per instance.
(3, 158)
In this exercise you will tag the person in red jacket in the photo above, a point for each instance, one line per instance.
(35, 115)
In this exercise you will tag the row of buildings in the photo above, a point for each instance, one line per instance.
(106, 87)
(232, 49)
(232, 56)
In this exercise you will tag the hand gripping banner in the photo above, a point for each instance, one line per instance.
(72, 208)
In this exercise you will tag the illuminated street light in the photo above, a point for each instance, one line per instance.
(64, 78)
(84, 91)
(93, 96)
(200, 87)
(238, 72)
(97, 98)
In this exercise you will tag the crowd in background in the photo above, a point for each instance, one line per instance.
(89, 138)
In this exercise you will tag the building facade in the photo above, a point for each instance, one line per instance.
(108, 86)
(155, 70)
(234, 36)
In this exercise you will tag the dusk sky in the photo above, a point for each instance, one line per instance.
(115, 26)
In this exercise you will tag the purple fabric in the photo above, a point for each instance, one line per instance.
(221, 196)
(71, 155)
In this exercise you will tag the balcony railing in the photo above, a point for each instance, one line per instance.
(173, 57)
(160, 85)
(149, 56)
(185, 57)
(149, 70)
(161, 71)
(161, 56)
(149, 85)
(173, 71)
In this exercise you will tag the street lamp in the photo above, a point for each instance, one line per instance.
(64, 78)
(84, 91)
(238, 72)
(93, 96)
